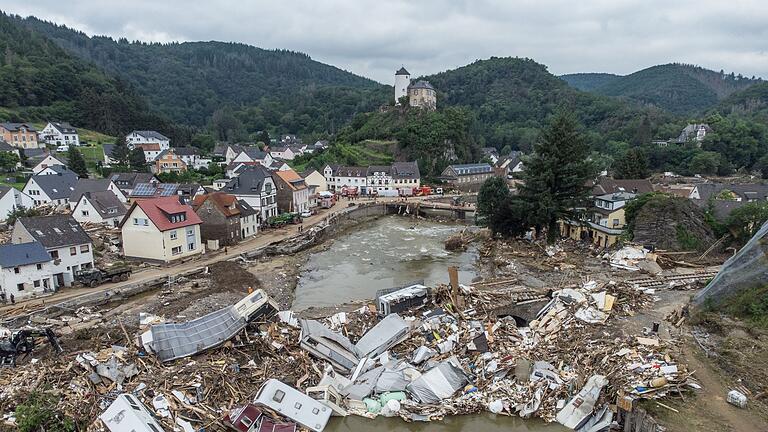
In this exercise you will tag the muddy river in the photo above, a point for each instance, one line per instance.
(394, 251)
(388, 252)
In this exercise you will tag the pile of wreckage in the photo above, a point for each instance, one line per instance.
(417, 353)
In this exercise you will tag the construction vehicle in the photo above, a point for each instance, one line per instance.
(22, 342)
(95, 276)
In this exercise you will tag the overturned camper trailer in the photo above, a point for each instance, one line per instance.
(328, 345)
(127, 413)
(394, 300)
(170, 341)
(387, 333)
(295, 405)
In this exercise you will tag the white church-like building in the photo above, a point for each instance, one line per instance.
(420, 94)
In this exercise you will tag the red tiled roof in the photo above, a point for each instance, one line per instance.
(223, 201)
(149, 146)
(159, 210)
(291, 178)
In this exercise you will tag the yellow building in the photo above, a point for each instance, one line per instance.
(605, 222)
(161, 229)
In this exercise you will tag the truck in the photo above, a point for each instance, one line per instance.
(94, 276)
(422, 191)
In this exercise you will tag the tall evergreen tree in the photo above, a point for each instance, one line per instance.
(556, 175)
(77, 162)
(632, 165)
(137, 160)
(493, 193)
(121, 151)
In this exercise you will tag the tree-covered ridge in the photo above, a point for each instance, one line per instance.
(751, 102)
(513, 98)
(679, 88)
(189, 81)
(589, 81)
(40, 81)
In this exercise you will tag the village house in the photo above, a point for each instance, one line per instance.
(137, 138)
(508, 166)
(339, 177)
(151, 151)
(226, 153)
(34, 156)
(99, 207)
(292, 192)
(22, 135)
(420, 94)
(95, 185)
(52, 189)
(64, 239)
(251, 155)
(606, 185)
(282, 152)
(161, 229)
(249, 219)
(191, 157)
(604, 222)
(405, 177)
(315, 181)
(467, 177)
(12, 199)
(58, 134)
(255, 186)
(491, 153)
(55, 170)
(49, 161)
(220, 214)
(378, 178)
(126, 182)
(168, 162)
(25, 271)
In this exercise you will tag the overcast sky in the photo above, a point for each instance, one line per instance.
(373, 38)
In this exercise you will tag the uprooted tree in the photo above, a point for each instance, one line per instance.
(555, 183)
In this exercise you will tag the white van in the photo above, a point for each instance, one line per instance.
(62, 148)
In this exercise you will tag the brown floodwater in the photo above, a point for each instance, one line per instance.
(480, 423)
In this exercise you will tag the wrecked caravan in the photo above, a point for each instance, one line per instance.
(244, 419)
(170, 341)
(293, 404)
(328, 345)
(439, 383)
(387, 333)
(126, 413)
(394, 300)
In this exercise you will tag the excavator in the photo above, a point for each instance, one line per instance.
(21, 343)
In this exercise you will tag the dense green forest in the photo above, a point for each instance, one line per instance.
(588, 81)
(40, 81)
(276, 90)
(678, 88)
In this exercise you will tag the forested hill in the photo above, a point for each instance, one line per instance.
(513, 98)
(679, 88)
(40, 81)
(189, 81)
(751, 102)
(588, 81)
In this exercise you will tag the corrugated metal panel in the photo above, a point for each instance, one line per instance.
(177, 340)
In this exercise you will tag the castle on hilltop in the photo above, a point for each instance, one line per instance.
(420, 94)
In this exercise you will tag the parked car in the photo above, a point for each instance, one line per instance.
(306, 214)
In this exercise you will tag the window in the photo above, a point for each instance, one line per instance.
(297, 405)
(174, 235)
(190, 231)
(36, 284)
(55, 255)
(246, 421)
(16, 270)
(84, 248)
(176, 250)
(72, 251)
(278, 396)
(84, 212)
(39, 266)
(191, 246)
(20, 287)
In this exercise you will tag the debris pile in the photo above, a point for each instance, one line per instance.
(456, 351)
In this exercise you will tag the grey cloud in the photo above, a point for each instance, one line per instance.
(373, 37)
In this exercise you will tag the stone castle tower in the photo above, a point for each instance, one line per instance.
(402, 81)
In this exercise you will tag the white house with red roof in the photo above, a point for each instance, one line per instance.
(161, 229)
